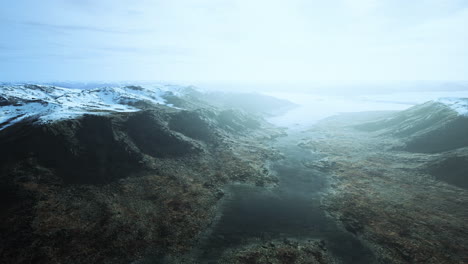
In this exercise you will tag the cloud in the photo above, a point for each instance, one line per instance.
(241, 39)
(54, 27)
(147, 51)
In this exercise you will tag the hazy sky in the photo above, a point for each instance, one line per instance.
(247, 40)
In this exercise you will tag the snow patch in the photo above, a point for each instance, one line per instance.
(49, 103)
(459, 105)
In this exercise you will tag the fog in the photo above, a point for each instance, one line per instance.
(318, 100)
(195, 41)
(312, 108)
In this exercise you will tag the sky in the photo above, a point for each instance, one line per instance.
(233, 40)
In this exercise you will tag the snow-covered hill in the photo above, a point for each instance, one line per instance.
(44, 104)
(459, 105)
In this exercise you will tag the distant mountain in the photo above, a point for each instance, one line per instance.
(249, 102)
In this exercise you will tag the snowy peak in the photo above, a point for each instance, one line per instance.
(45, 104)
(459, 105)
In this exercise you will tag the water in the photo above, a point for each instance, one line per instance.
(314, 107)
(290, 211)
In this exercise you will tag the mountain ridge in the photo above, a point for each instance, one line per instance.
(121, 186)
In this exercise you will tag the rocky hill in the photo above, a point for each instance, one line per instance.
(115, 175)
(438, 127)
(432, 127)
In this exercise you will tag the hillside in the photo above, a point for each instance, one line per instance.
(432, 127)
(115, 175)
(438, 127)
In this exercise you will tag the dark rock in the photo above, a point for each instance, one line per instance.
(192, 124)
(152, 137)
(83, 151)
(4, 101)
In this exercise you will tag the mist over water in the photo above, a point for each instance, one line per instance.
(321, 99)
(312, 107)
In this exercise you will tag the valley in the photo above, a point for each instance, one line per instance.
(164, 175)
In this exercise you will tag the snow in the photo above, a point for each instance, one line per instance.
(459, 105)
(49, 103)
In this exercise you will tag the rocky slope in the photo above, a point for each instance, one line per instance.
(436, 127)
(115, 175)
(399, 180)
(432, 127)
